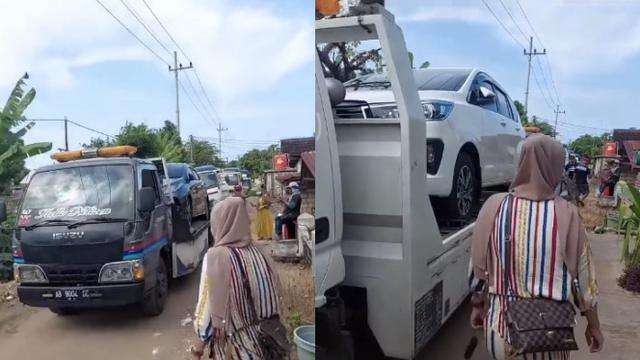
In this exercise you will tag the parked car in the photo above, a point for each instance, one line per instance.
(188, 191)
(202, 168)
(473, 134)
(232, 178)
(246, 179)
(216, 188)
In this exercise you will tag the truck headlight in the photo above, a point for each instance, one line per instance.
(122, 271)
(29, 274)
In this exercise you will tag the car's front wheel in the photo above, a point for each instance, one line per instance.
(462, 203)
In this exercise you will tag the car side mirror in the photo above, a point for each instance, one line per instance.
(146, 199)
(485, 95)
(3, 212)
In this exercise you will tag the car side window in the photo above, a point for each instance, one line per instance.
(492, 106)
(503, 103)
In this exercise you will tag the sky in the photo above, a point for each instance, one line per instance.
(254, 59)
(593, 51)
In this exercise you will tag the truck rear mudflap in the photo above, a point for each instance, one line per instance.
(81, 297)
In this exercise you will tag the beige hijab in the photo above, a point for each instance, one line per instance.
(539, 173)
(230, 226)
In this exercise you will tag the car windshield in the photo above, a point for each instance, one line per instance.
(209, 178)
(231, 179)
(175, 171)
(426, 79)
(78, 193)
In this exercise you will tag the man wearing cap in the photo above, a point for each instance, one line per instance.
(291, 211)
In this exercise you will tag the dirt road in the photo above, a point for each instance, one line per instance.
(123, 333)
(619, 316)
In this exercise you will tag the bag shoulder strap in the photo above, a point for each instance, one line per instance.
(507, 243)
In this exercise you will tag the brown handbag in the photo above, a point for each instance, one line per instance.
(536, 324)
(272, 335)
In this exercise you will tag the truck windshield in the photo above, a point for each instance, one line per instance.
(232, 179)
(209, 178)
(79, 193)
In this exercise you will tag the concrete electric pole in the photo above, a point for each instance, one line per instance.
(220, 129)
(175, 70)
(66, 134)
(530, 53)
(555, 128)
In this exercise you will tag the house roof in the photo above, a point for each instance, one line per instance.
(631, 147)
(309, 161)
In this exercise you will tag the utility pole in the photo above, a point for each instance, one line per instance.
(220, 129)
(66, 134)
(557, 111)
(191, 147)
(532, 52)
(175, 70)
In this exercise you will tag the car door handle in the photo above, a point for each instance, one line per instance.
(503, 123)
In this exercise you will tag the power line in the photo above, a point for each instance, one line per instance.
(195, 92)
(193, 103)
(502, 24)
(549, 104)
(535, 33)
(513, 19)
(132, 33)
(135, 15)
(186, 56)
(546, 85)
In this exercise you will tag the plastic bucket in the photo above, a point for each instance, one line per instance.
(305, 339)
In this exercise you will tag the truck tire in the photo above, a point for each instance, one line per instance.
(63, 311)
(153, 303)
(462, 203)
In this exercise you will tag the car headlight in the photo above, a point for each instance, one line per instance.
(29, 274)
(436, 110)
(122, 271)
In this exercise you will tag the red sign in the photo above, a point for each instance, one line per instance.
(281, 162)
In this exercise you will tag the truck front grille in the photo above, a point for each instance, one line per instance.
(71, 275)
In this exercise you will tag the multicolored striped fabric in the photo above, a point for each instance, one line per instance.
(536, 266)
(239, 338)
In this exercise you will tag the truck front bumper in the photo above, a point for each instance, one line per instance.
(81, 296)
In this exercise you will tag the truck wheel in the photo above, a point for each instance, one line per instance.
(462, 202)
(153, 303)
(63, 311)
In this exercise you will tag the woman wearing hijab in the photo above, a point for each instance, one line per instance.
(549, 250)
(237, 288)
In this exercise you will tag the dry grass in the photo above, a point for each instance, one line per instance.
(592, 214)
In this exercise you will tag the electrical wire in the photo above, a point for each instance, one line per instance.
(205, 118)
(74, 123)
(186, 56)
(514, 20)
(502, 24)
(132, 33)
(141, 22)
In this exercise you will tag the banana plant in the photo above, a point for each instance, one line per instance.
(12, 147)
(629, 223)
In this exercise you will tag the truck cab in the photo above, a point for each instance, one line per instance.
(97, 231)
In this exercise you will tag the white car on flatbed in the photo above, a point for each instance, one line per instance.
(474, 131)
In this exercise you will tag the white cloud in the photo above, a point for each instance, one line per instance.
(582, 37)
(237, 49)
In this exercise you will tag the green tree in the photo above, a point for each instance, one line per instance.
(257, 161)
(204, 153)
(589, 145)
(140, 136)
(13, 150)
(96, 143)
(521, 111)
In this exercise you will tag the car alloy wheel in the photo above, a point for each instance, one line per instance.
(465, 190)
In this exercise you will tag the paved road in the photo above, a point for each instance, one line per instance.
(123, 334)
(619, 316)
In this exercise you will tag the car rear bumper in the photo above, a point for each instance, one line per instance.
(81, 296)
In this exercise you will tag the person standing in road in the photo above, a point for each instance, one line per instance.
(549, 249)
(264, 218)
(238, 291)
(291, 211)
(579, 173)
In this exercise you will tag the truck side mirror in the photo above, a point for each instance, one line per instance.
(146, 199)
(3, 212)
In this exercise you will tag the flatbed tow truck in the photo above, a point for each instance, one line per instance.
(98, 229)
(387, 275)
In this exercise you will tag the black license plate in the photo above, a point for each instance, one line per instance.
(73, 294)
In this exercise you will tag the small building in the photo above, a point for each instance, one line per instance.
(628, 141)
